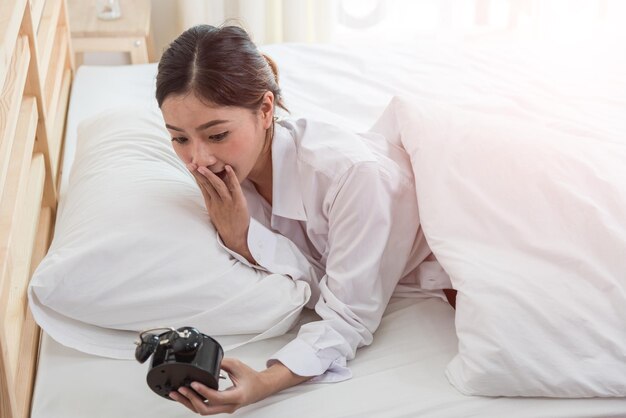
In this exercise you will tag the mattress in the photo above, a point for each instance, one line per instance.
(402, 373)
(399, 375)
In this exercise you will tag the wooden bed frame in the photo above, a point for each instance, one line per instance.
(36, 69)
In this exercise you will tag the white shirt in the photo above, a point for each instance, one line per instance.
(343, 218)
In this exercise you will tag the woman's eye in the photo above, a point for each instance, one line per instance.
(218, 137)
(179, 139)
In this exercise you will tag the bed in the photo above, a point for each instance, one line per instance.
(402, 373)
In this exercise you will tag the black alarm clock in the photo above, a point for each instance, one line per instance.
(179, 357)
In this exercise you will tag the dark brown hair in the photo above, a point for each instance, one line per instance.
(220, 65)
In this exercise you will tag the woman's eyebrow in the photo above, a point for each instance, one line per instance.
(173, 128)
(210, 123)
(199, 128)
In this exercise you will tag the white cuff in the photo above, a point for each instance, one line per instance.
(261, 243)
(327, 365)
(238, 256)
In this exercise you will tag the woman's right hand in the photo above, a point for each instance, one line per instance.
(227, 207)
(249, 386)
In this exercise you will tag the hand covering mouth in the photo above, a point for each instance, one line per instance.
(221, 174)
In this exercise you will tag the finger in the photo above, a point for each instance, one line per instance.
(197, 403)
(230, 396)
(203, 408)
(216, 182)
(233, 182)
(182, 399)
(200, 180)
(205, 193)
(205, 185)
(232, 366)
(235, 188)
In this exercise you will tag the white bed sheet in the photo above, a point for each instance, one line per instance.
(402, 373)
(399, 375)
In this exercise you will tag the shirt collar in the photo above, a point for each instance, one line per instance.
(286, 188)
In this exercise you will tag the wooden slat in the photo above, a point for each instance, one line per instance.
(9, 112)
(65, 22)
(46, 34)
(17, 310)
(11, 13)
(54, 78)
(31, 333)
(37, 7)
(10, 215)
(58, 129)
(57, 90)
(51, 144)
(8, 402)
(22, 248)
(33, 81)
(15, 189)
(29, 350)
(44, 237)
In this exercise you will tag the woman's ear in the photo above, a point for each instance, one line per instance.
(267, 109)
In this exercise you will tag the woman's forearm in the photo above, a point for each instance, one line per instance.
(278, 377)
(240, 247)
(244, 251)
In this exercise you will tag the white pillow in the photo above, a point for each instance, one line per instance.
(529, 221)
(134, 249)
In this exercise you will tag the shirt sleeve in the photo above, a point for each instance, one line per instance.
(277, 254)
(373, 223)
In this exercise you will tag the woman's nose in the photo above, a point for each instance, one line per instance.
(202, 155)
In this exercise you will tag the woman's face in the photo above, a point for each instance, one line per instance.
(217, 136)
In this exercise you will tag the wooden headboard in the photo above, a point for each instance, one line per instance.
(36, 67)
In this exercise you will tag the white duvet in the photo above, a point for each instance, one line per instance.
(529, 220)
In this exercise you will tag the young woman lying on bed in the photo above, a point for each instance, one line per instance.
(297, 197)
